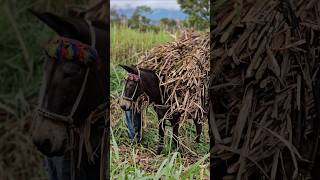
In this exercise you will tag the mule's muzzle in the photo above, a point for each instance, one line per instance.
(125, 104)
(125, 108)
(49, 137)
(45, 146)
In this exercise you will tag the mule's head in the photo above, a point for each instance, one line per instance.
(132, 87)
(66, 68)
(139, 81)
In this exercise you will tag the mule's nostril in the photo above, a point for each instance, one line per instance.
(47, 144)
(123, 107)
(35, 142)
(44, 146)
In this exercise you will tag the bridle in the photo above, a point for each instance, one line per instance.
(99, 112)
(135, 89)
(68, 119)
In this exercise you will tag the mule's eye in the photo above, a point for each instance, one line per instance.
(70, 70)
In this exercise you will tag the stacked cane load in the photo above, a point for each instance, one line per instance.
(264, 87)
(183, 68)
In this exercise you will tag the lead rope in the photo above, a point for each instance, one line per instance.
(42, 88)
(103, 154)
(104, 134)
(72, 128)
(72, 166)
(74, 108)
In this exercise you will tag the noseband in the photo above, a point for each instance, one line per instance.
(135, 89)
(59, 51)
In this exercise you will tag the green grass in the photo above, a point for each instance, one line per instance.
(20, 79)
(133, 161)
(21, 57)
(127, 43)
(169, 165)
(20, 73)
(117, 74)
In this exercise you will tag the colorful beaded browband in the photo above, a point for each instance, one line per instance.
(133, 77)
(61, 48)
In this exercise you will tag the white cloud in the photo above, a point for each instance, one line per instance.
(154, 4)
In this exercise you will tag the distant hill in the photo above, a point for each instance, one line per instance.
(157, 14)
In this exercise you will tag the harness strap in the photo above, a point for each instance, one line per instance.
(77, 102)
(161, 106)
(54, 116)
(42, 89)
(92, 32)
(160, 88)
(93, 45)
(103, 153)
(135, 89)
(72, 165)
(69, 118)
(75, 107)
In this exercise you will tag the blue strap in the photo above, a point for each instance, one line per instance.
(133, 122)
(130, 125)
(137, 125)
(58, 167)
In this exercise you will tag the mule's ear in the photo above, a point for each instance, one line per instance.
(129, 69)
(76, 14)
(58, 24)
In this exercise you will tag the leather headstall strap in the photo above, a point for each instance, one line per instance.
(72, 130)
(136, 87)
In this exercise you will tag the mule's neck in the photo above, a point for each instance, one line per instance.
(151, 87)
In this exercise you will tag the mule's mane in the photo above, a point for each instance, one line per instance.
(151, 73)
(147, 70)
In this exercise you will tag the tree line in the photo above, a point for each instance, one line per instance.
(197, 11)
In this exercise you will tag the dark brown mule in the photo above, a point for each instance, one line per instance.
(148, 83)
(64, 81)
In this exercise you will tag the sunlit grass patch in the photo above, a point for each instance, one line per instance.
(127, 43)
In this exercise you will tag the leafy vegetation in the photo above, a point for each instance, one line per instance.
(127, 43)
(140, 161)
(21, 59)
(138, 18)
(198, 13)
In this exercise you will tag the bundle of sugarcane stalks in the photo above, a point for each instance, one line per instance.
(183, 70)
(264, 88)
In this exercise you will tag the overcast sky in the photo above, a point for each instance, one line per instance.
(154, 4)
